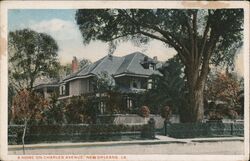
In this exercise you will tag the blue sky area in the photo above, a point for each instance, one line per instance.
(17, 17)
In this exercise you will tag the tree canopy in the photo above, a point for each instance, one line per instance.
(200, 37)
(84, 62)
(31, 55)
(225, 88)
(28, 106)
(167, 90)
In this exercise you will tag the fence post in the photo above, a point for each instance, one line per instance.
(151, 124)
(232, 128)
(148, 130)
(165, 127)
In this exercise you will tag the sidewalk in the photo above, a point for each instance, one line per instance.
(159, 140)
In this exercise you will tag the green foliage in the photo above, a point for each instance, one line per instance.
(65, 70)
(200, 37)
(72, 132)
(84, 62)
(114, 102)
(172, 24)
(223, 87)
(54, 114)
(91, 110)
(81, 109)
(31, 55)
(167, 89)
(211, 129)
(14, 134)
(74, 110)
(103, 82)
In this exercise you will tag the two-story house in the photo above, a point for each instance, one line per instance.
(131, 74)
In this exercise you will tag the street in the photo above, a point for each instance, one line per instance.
(219, 148)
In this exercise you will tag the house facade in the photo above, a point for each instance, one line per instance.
(129, 74)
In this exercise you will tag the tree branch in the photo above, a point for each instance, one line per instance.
(195, 45)
(167, 42)
(205, 34)
(171, 39)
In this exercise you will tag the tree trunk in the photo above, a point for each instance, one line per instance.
(196, 79)
(24, 132)
(196, 105)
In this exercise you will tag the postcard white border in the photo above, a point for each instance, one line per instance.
(5, 5)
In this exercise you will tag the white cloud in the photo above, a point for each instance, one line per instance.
(67, 35)
(69, 39)
(60, 29)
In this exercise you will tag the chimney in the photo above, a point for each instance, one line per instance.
(74, 65)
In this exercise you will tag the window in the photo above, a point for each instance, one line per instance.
(102, 107)
(62, 89)
(151, 66)
(129, 102)
(135, 84)
(150, 84)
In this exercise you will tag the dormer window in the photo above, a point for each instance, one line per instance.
(148, 63)
(151, 66)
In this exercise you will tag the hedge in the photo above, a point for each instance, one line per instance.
(193, 130)
(72, 132)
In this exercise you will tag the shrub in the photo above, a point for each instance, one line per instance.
(215, 115)
(166, 112)
(72, 132)
(74, 110)
(15, 133)
(144, 111)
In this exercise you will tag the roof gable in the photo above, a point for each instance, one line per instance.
(132, 65)
(113, 65)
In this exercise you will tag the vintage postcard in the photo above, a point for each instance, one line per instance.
(124, 80)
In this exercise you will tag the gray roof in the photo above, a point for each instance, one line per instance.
(132, 65)
(45, 82)
(113, 65)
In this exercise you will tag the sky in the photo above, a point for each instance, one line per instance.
(61, 25)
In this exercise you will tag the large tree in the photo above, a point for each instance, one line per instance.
(31, 55)
(200, 37)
